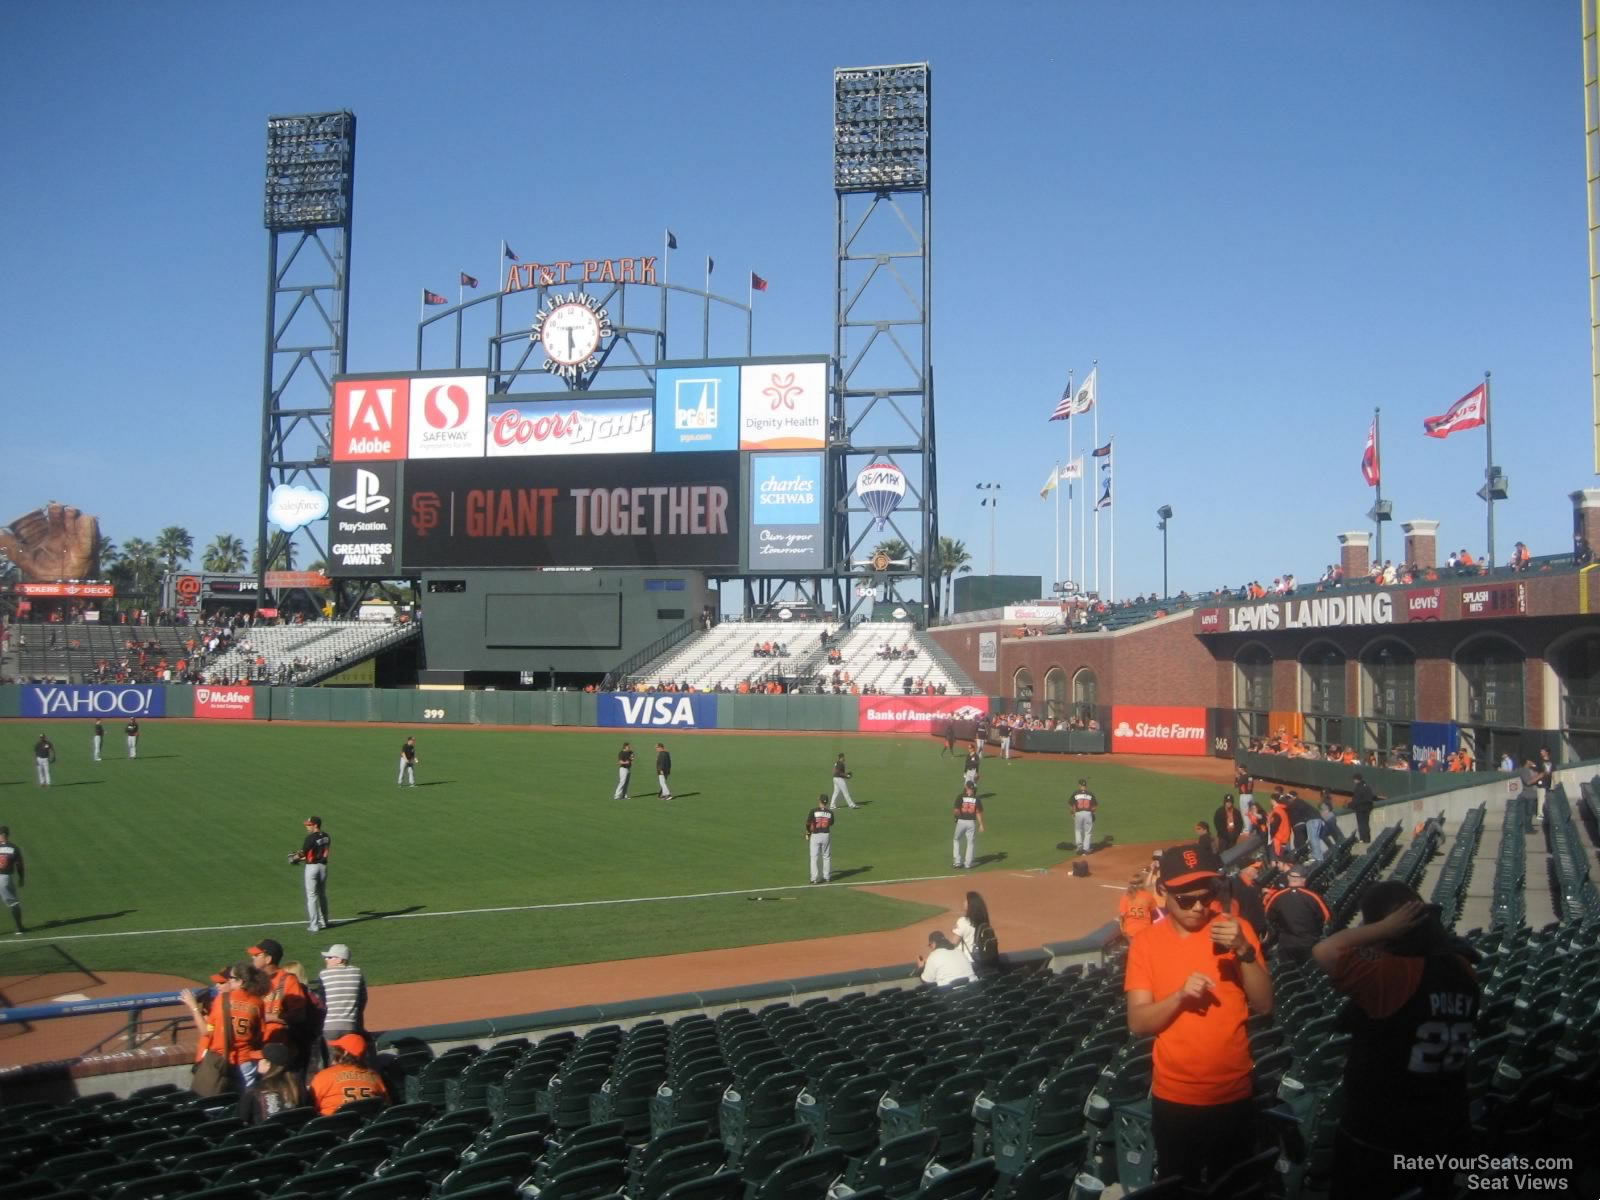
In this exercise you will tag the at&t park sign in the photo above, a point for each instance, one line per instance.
(565, 272)
(1320, 612)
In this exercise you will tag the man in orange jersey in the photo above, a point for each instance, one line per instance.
(1193, 981)
(345, 1080)
(287, 1016)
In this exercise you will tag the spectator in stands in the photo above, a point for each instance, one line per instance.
(345, 1079)
(1193, 981)
(1362, 801)
(232, 1029)
(344, 994)
(1138, 908)
(1255, 820)
(1228, 823)
(1297, 916)
(1416, 1000)
(277, 1087)
(288, 1014)
(943, 964)
(1202, 837)
(977, 938)
(1328, 834)
(1280, 828)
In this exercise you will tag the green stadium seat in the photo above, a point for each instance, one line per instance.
(333, 1182)
(1170, 1188)
(341, 1124)
(586, 1182)
(365, 1154)
(640, 1157)
(169, 1150)
(764, 1104)
(695, 1098)
(895, 1166)
(434, 1164)
(265, 1174)
(214, 1162)
(581, 1154)
(401, 1185)
(1017, 1087)
(1048, 1174)
(679, 1165)
(726, 1185)
(804, 1178)
(230, 1191)
(970, 1181)
(773, 1148)
(454, 1138)
(105, 1179)
(260, 1138)
(1135, 1147)
(511, 1168)
(164, 1186)
(67, 1167)
(308, 1147)
(1053, 1113)
(497, 1190)
(292, 1118)
(30, 1189)
(848, 1118)
(948, 1109)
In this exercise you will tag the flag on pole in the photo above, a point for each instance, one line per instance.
(510, 253)
(1050, 483)
(468, 280)
(1103, 452)
(1073, 469)
(1465, 413)
(672, 240)
(433, 297)
(1076, 403)
(1105, 495)
(711, 264)
(1369, 456)
(758, 283)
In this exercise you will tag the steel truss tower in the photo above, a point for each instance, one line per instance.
(310, 185)
(882, 340)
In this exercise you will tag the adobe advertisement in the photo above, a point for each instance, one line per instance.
(783, 406)
(697, 408)
(785, 512)
(917, 714)
(618, 425)
(608, 510)
(1142, 729)
(363, 523)
(370, 418)
(224, 703)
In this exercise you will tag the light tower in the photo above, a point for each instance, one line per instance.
(310, 185)
(883, 290)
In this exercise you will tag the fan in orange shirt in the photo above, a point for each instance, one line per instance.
(232, 1029)
(1193, 980)
(1138, 906)
(345, 1080)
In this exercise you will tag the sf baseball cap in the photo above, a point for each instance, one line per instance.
(310, 821)
(337, 950)
(269, 947)
(1184, 866)
(350, 1043)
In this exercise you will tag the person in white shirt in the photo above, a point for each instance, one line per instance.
(943, 964)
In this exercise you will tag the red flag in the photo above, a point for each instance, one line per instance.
(1466, 413)
(432, 297)
(758, 283)
(468, 280)
(1369, 456)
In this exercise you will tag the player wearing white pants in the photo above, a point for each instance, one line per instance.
(408, 763)
(99, 738)
(313, 853)
(624, 771)
(44, 753)
(1084, 806)
(840, 788)
(132, 731)
(663, 771)
(969, 824)
(819, 833)
(1005, 743)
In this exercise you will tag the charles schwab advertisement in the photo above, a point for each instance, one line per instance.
(785, 507)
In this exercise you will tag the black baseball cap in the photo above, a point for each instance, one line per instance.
(313, 821)
(1183, 866)
(272, 949)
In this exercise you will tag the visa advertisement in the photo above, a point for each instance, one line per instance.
(697, 408)
(786, 530)
(626, 710)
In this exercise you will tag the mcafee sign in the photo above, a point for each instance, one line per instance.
(1136, 729)
(224, 703)
(918, 714)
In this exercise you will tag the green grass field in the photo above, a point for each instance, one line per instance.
(132, 865)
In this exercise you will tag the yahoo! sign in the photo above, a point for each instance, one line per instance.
(83, 700)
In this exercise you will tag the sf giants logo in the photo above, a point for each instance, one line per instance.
(369, 420)
(425, 512)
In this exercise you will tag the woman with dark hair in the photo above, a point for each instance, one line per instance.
(277, 1087)
(1415, 1005)
(977, 937)
(232, 1027)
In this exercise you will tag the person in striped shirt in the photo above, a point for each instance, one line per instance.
(344, 994)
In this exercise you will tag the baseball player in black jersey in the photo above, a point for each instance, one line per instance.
(44, 753)
(663, 771)
(1084, 807)
(132, 730)
(313, 853)
(969, 772)
(99, 737)
(840, 787)
(11, 876)
(408, 763)
(969, 824)
(819, 834)
(624, 771)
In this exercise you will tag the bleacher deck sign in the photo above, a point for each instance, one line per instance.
(656, 711)
(83, 700)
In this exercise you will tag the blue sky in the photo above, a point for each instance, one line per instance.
(1262, 220)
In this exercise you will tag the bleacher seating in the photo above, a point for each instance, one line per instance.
(725, 654)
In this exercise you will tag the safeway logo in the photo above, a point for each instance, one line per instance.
(448, 417)
(657, 712)
(369, 420)
(446, 407)
(1148, 730)
(367, 498)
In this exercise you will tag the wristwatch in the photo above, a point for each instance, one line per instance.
(1246, 953)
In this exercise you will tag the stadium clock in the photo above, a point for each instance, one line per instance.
(570, 330)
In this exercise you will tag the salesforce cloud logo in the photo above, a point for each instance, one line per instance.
(290, 506)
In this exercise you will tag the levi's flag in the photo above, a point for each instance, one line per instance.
(1466, 413)
(433, 297)
(468, 280)
(510, 253)
(1369, 456)
(758, 283)
(672, 240)
(1050, 482)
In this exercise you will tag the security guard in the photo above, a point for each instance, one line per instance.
(819, 833)
(314, 854)
(1084, 807)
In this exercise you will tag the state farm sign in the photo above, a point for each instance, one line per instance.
(614, 426)
(224, 703)
(1137, 729)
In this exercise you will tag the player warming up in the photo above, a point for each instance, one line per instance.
(99, 738)
(663, 771)
(408, 763)
(969, 771)
(132, 731)
(840, 788)
(819, 834)
(969, 824)
(624, 771)
(1084, 807)
(11, 873)
(313, 853)
(44, 753)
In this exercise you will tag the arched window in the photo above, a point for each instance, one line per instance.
(1055, 694)
(1388, 698)
(1322, 694)
(1022, 691)
(1085, 695)
(1489, 700)
(1577, 667)
(1252, 692)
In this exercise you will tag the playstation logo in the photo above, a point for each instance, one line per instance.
(367, 497)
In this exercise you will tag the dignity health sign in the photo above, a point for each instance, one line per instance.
(783, 406)
(785, 528)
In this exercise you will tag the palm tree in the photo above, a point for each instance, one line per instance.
(895, 548)
(136, 567)
(225, 554)
(953, 558)
(174, 545)
(280, 554)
